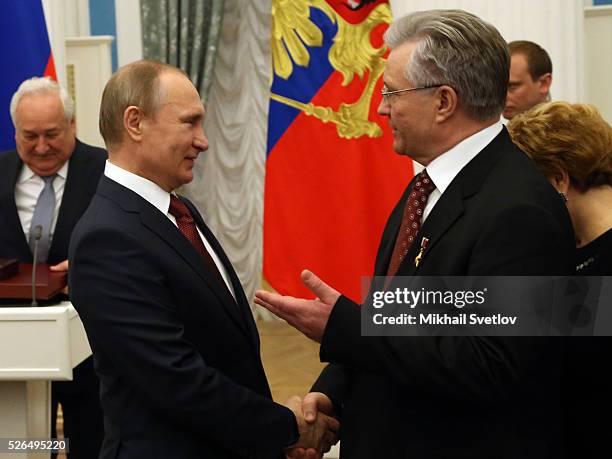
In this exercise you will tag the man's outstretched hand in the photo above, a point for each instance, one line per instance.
(308, 316)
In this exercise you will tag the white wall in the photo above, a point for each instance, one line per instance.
(76, 16)
(70, 18)
(598, 59)
(556, 25)
(90, 60)
(129, 36)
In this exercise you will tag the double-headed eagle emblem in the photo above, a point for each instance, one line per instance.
(352, 53)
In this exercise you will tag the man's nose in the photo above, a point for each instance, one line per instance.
(41, 145)
(200, 141)
(383, 108)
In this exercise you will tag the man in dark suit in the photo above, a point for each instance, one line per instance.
(49, 180)
(173, 337)
(478, 209)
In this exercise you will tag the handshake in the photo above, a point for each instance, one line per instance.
(317, 426)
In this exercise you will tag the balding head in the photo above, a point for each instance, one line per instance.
(136, 84)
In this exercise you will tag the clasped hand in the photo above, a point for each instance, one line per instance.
(316, 435)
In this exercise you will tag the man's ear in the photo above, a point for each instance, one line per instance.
(132, 122)
(72, 126)
(545, 81)
(448, 102)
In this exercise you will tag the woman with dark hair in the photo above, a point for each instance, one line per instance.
(571, 144)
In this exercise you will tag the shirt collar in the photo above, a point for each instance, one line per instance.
(447, 166)
(145, 188)
(63, 172)
(27, 173)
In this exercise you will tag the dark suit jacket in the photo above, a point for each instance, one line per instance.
(85, 168)
(458, 397)
(178, 358)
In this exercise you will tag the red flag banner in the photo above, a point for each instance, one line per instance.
(332, 177)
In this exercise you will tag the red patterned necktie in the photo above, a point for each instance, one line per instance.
(187, 226)
(411, 221)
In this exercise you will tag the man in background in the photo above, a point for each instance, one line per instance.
(530, 77)
(48, 181)
(172, 333)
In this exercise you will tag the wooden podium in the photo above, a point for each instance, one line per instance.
(37, 345)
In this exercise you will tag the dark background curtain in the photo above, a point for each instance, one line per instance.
(183, 33)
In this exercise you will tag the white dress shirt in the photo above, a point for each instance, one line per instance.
(443, 170)
(160, 199)
(28, 187)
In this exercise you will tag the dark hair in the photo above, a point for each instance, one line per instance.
(538, 60)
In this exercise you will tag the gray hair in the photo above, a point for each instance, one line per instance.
(460, 50)
(39, 86)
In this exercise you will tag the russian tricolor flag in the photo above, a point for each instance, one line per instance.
(25, 53)
(332, 177)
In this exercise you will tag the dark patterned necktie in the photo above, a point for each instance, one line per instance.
(187, 226)
(411, 221)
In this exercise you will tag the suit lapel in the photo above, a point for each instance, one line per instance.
(241, 300)
(159, 224)
(12, 225)
(450, 206)
(163, 227)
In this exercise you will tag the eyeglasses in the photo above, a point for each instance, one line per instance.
(386, 94)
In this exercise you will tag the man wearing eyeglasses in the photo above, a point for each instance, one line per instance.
(480, 209)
